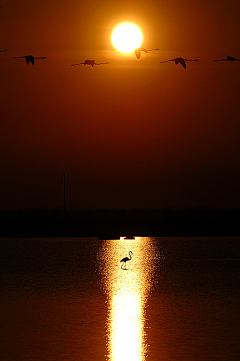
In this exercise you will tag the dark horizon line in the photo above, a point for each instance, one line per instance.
(119, 222)
(146, 208)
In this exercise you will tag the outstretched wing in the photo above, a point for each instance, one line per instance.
(181, 61)
(137, 53)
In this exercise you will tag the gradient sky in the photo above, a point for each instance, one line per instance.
(135, 133)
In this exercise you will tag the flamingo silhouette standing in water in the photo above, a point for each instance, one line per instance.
(125, 259)
(178, 60)
(229, 58)
(30, 58)
(138, 51)
(90, 62)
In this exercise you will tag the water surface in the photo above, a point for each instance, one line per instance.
(69, 299)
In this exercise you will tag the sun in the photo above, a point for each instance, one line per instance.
(126, 37)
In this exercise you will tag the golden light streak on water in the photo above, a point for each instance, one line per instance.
(125, 328)
(127, 293)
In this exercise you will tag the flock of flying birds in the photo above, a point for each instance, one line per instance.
(138, 52)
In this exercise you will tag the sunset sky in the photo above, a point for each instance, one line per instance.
(134, 133)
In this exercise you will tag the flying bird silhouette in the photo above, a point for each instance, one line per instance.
(138, 51)
(2, 51)
(229, 58)
(178, 60)
(30, 58)
(125, 259)
(90, 62)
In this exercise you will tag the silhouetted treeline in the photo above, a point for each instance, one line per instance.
(120, 222)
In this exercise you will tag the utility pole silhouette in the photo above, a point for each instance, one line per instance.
(63, 181)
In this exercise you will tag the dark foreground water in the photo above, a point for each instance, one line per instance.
(68, 299)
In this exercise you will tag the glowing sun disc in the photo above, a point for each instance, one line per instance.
(126, 37)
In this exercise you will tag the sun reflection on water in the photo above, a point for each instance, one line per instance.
(125, 330)
(127, 293)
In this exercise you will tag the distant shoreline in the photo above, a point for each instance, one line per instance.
(120, 222)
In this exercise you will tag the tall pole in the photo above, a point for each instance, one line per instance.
(63, 181)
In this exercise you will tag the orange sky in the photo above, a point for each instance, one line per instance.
(135, 133)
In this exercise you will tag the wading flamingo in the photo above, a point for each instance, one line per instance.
(90, 62)
(30, 58)
(178, 60)
(125, 259)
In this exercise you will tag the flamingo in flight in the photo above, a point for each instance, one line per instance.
(125, 259)
(138, 51)
(90, 62)
(30, 58)
(178, 60)
(229, 58)
(2, 51)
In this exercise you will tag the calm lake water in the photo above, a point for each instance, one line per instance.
(69, 299)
